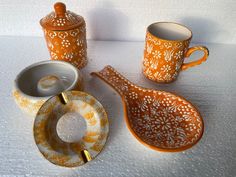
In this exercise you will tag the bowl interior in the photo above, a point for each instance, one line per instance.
(170, 31)
(28, 79)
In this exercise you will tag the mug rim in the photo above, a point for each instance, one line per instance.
(68, 65)
(164, 22)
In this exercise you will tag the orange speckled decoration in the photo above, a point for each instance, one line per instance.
(65, 34)
(163, 58)
(30, 106)
(66, 154)
(160, 120)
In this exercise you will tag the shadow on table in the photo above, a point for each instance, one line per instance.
(204, 30)
(111, 102)
(108, 23)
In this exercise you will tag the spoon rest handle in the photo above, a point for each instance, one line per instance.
(115, 80)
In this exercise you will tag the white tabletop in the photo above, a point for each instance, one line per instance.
(211, 87)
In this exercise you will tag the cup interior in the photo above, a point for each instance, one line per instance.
(28, 79)
(170, 31)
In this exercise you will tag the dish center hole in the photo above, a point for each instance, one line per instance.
(71, 127)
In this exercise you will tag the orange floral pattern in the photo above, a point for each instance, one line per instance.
(158, 119)
(69, 46)
(162, 59)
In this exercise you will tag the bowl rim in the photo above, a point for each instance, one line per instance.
(68, 65)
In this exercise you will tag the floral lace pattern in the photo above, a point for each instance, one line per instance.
(158, 118)
(68, 45)
(68, 19)
(162, 59)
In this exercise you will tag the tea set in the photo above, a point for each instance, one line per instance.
(50, 89)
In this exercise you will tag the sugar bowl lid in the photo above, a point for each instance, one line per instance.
(61, 19)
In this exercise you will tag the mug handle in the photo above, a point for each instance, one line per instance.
(198, 62)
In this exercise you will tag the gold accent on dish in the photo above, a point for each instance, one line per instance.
(63, 98)
(86, 156)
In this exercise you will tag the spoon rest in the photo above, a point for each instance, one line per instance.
(71, 154)
(158, 119)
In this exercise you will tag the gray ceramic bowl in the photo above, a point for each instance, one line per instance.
(38, 82)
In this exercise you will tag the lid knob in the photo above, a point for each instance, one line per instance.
(60, 9)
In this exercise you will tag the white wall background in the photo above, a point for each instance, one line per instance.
(212, 21)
